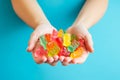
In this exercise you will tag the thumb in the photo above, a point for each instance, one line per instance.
(89, 43)
(36, 34)
(33, 39)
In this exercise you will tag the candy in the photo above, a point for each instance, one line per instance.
(54, 34)
(82, 42)
(77, 53)
(48, 37)
(73, 46)
(50, 45)
(40, 52)
(66, 39)
(53, 49)
(64, 52)
(60, 33)
(59, 42)
(70, 48)
(75, 43)
(43, 42)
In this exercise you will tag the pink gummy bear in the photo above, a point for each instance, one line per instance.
(64, 52)
(54, 34)
(40, 52)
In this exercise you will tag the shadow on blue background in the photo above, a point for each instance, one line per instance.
(17, 64)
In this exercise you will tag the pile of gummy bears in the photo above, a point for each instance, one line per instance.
(60, 43)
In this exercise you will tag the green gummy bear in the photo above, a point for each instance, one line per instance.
(71, 48)
(43, 42)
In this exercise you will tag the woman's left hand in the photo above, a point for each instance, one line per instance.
(82, 33)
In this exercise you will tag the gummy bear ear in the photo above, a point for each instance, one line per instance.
(60, 33)
(43, 42)
(54, 32)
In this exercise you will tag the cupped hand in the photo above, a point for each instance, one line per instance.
(81, 33)
(34, 44)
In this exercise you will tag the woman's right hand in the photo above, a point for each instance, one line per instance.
(34, 44)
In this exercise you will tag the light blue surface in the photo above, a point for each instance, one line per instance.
(17, 64)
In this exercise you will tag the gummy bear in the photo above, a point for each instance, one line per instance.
(53, 49)
(40, 52)
(67, 39)
(54, 34)
(75, 43)
(50, 45)
(70, 48)
(64, 52)
(77, 53)
(60, 33)
(82, 42)
(48, 37)
(43, 42)
(73, 46)
(59, 42)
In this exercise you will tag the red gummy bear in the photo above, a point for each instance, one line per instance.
(82, 42)
(54, 34)
(59, 42)
(64, 52)
(40, 52)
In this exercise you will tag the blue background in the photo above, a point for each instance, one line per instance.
(17, 64)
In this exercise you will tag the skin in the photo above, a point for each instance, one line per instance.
(31, 13)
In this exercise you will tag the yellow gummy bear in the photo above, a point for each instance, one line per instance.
(66, 39)
(54, 50)
(60, 33)
(77, 53)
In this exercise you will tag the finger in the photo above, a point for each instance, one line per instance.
(81, 59)
(66, 61)
(50, 60)
(89, 43)
(40, 60)
(54, 63)
(33, 39)
(37, 57)
(61, 58)
(64, 64)
(56, 58)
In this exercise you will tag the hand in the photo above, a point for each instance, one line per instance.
(34, 44)
(82, 33)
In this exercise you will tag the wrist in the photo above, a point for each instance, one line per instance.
(42, 23)
(80, 24)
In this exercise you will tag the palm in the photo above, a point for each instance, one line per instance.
(82, 33)
(37, 57)
(34, 42)
(82, 58)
